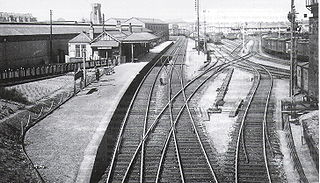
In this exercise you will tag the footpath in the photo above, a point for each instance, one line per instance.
(64, 145)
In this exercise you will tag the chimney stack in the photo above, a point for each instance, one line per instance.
(130, 28)
(119, 26)
(91, 31)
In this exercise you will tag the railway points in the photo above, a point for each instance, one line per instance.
(163, 153)
(145, 100)
(80, 156)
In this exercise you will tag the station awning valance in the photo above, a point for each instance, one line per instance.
(107, 44)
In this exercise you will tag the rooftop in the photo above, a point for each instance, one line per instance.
(20, 29)
(83, 37)
(149, 20)
(140, 37)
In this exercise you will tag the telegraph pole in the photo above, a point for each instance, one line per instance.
(260, 34)
(243, 39)
(198, 25)
(204, 30)
(292, 64)
(50, 43)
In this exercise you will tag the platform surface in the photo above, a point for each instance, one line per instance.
(65, 143)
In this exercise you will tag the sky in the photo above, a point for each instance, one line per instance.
(216, 10)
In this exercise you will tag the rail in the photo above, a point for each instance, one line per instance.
(119, 138)
(141, 144)
(240, 136)
(146, 134)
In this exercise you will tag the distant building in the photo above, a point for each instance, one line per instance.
(95, 15)
(17, 17)
(115, 21)
(157, 26)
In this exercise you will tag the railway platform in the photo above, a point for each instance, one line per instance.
(64, 145)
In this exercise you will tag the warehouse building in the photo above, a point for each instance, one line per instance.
(28, 44)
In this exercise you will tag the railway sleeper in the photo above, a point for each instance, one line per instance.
(252, 178)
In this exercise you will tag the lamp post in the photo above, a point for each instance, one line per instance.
(50, 44)
(84, 66)
(204, 30)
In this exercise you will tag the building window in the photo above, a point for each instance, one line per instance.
(80, 49)
(78, 52)
(83, 49)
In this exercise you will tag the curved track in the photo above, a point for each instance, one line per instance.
(251, 164)
(158, 142)
(250, 157)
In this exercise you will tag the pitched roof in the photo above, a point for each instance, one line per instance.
(140, 37)
(83, 37)
(116, 19)
(21, 29)
(116, 35)
(149, 20)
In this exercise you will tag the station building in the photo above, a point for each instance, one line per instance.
(116, 45)
(28, 44)
(32, 44)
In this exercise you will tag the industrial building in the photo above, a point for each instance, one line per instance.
(28, 44)
(157, 26)
(313, 81)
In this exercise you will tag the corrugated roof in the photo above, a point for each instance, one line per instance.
(81, 38)
(44, 29)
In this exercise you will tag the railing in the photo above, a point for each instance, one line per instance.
(32, 73)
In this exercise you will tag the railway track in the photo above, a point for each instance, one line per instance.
(251, 163)
(250, 157)
(147, 134)
(233, 48)
(159, 141)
